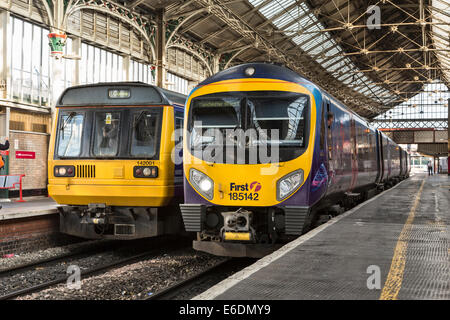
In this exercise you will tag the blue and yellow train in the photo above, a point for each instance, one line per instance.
(110, 161)
(268, 153)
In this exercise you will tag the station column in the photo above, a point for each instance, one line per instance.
(5, 87)
(5, 84)
(448, 137)
(4, 68)
(160, 49)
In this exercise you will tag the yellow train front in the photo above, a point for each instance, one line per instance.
(113, 161)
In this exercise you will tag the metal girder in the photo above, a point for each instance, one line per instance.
(433, 149)
(415, 136)
(249, 34)
(133, 4)
(410, 123)
(345, 21)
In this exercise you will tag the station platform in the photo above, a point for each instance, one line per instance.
(393, 246)
(28, 226)
(30, 208)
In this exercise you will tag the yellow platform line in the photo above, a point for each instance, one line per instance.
(394, 279)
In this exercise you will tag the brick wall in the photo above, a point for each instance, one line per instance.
(35, 170)
(28, 234)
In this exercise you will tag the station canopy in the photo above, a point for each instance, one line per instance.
(371, 55)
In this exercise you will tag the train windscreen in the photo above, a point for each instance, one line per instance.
(249, 120)
(126, 133)
(106, 134)
(145, 133)
(70, 133)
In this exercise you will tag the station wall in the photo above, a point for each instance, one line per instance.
(35, 170)
(29, 132)
(33, 233)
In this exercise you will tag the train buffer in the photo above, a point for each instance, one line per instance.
(352, 195)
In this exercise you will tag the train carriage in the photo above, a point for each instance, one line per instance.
(110, 162)
(267, 154)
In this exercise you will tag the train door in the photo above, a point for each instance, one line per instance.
(402, 162)
(354, 153)
(331, 145)
(409, 165)
(323, 153)
(178, 150)
(387, 159)
(341, 148)
(380, 163)
(346, 150)
(329, 124)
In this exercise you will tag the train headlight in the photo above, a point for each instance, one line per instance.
(145, 172)
(249, 71)
(205, 185)
(288, 184)
(202, 183)
(64, 171)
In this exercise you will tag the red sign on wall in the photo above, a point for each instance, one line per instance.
(4, 152)
(25, 155)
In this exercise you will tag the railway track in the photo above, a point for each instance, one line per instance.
(190, 287)
(89, 272)
(120, 256)
(37, 263)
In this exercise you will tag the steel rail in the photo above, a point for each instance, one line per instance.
(180, 286)
(95, 270)
(36, 263)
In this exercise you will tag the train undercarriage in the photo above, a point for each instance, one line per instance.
(98, 221)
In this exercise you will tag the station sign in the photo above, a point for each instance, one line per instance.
(25, 155)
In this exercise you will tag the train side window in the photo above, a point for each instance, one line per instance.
(179, 122)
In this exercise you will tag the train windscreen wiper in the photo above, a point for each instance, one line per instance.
(139, 118)
(69, 117)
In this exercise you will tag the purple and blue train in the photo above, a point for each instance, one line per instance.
(268, 154)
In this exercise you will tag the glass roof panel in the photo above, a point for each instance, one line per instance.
(273, 8)
(431, 103)
(313, 42)
(256, 3)
(284, 20)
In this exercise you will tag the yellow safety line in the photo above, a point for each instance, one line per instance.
(395, 277)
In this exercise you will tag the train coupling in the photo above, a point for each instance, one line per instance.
(237, 226)
(95, 213)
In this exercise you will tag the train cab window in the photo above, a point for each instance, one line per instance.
(69, 134)
(274, 118)
(106, 135)
(287, 115)
(145, 133)
(209, 114)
